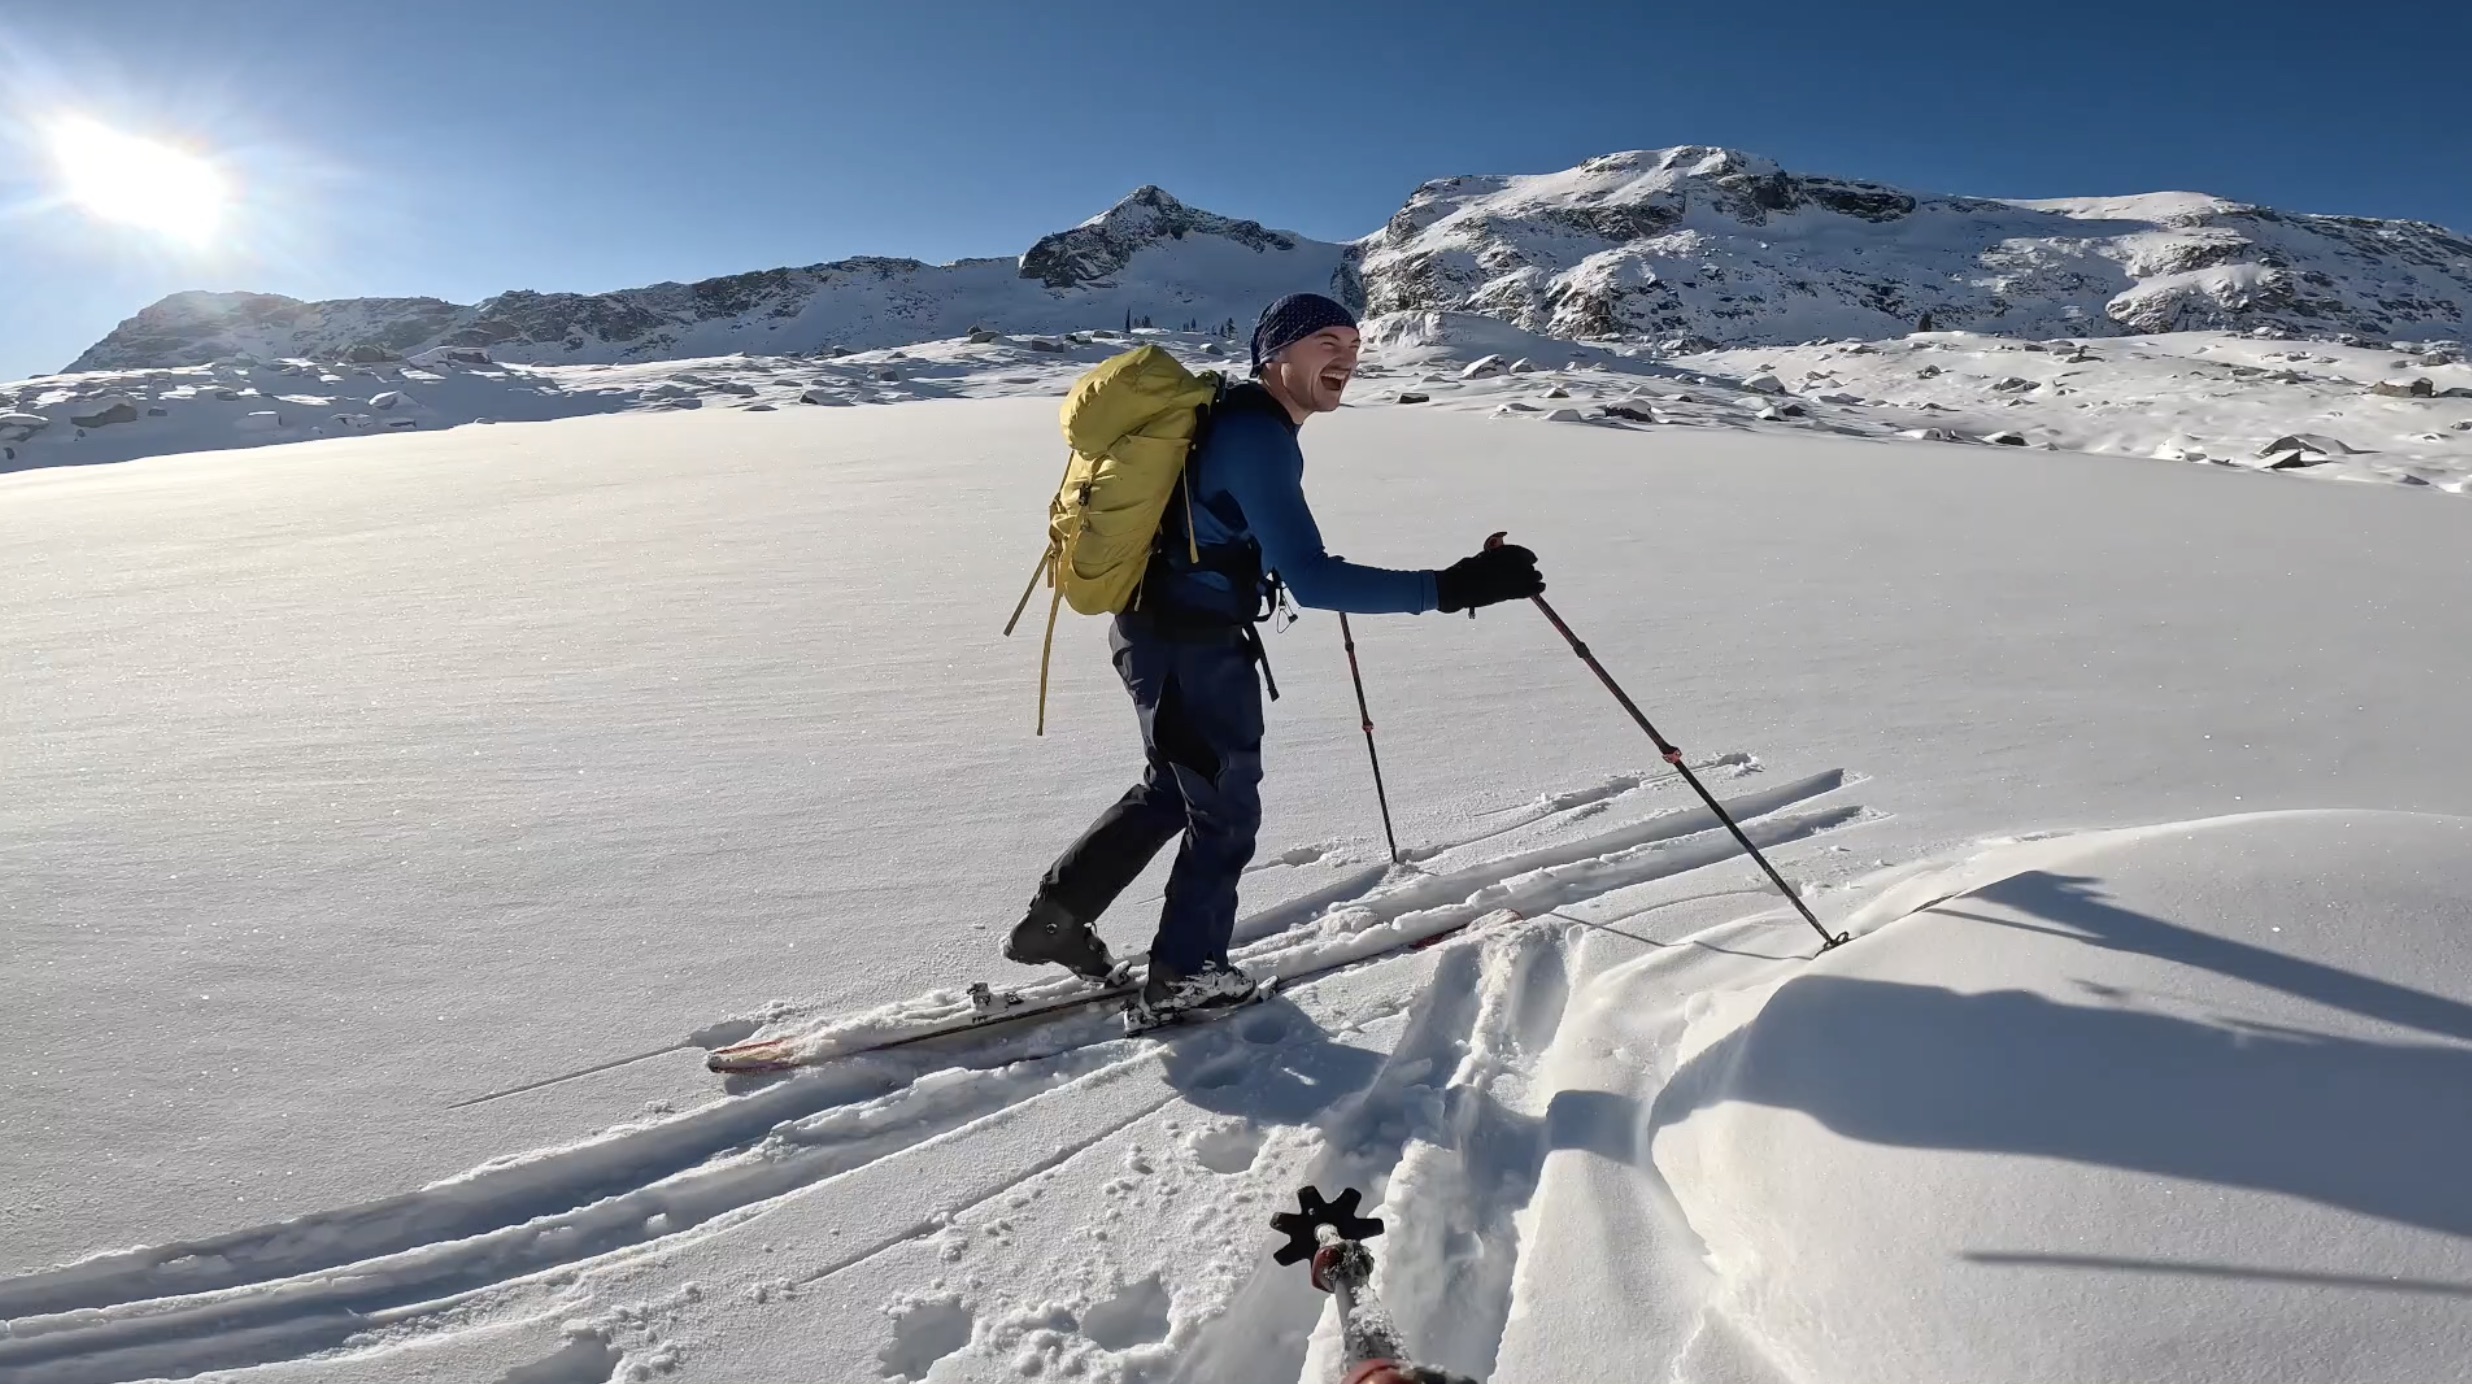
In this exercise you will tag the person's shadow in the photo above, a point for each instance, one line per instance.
(1268, 1062)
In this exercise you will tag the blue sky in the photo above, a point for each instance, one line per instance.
(456, 148)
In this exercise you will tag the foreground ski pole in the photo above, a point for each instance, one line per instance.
(1348, 637)
(1333, 1235)
(1673, 756)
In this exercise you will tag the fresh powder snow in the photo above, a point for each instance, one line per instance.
(400, 814)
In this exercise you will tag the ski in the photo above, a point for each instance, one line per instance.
(997, 1009)
(992, 1009)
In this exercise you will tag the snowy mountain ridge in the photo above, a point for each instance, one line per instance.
(1730, 248)
(1694, 244)
(1147, 255)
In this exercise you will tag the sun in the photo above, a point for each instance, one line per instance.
(139, 182)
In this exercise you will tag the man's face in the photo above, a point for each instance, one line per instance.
(1314, 372)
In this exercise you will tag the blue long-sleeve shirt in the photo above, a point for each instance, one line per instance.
(1247, 481)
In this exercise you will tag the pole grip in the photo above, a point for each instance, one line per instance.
(1492, 542)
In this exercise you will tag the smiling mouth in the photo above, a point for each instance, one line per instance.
(1334, 379)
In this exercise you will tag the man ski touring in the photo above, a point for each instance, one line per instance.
(1188, 650)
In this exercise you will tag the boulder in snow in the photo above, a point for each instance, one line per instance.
(980, 336)
(442, 357)
(118, 411)
(262, 420)
(1557, 392)
(1928, 372)
(1629, 413)
(1481, 366)
(2319, 443)
(2006, 438)
(1565, 415)
(2419, 388)
(31, 422)
(392, 398)
(2014, 384)
(1929, 435)
(1764, 383)
(821, 395)
(399, 424)
(1409, 396)
(1041, 343)
(370, 353)
(1522, 366)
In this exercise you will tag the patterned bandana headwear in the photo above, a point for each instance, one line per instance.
(1292, 319)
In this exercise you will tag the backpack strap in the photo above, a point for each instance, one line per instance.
(1046, 568)
(1047, 650)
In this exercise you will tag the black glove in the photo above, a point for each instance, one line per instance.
(1507, 573)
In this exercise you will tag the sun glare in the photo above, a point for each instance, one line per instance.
(136, 181)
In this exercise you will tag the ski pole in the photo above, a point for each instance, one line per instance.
(1348, 637)
(1332, 1236)
(1673, 756)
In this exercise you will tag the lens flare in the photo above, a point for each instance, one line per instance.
(139, 182)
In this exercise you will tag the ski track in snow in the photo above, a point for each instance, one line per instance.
(1448, 1124)
(1393, 893)
(1445, 1142)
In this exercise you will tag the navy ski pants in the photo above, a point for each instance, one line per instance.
(1200, 708)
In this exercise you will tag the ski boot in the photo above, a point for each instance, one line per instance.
(1051, 935)
(1168, 995)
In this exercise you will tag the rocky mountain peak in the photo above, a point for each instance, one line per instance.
(1704, 242)
(1101, 246)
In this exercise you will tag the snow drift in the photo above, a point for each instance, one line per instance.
(2195, 1083)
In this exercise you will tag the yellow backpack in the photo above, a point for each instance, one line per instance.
(1130, 423)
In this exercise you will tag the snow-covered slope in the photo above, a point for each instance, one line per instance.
(1687, 243)
(1711, 243)
(2172, 1102)
(2313, 412)
(1149, 255)
(373, 800)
